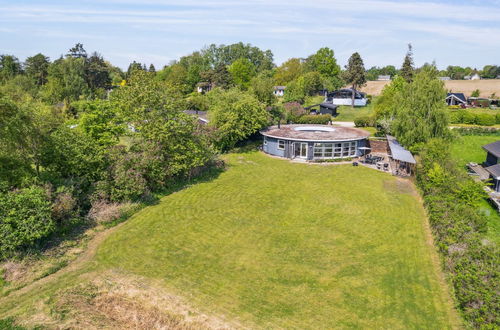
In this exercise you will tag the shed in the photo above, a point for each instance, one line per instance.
(325, 108)
(493, 153)
(403, 158)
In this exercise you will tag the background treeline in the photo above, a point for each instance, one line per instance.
(411, 108)
(455, 72)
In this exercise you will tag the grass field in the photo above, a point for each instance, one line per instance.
(274, 244)
(346, 113)
(468, 149)
(290, 245)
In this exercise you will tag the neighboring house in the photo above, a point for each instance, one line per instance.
(201, 115)
(203, 87)
(279, 90)
(383, 78)
(343, 97)
(456, 99)
(491, 164)
(475, 76)
(324, 108)
(444, 78)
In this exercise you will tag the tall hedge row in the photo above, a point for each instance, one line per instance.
(471, 261)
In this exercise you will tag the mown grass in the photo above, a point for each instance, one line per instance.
(347, 113)
(467, 149)
(283, 245)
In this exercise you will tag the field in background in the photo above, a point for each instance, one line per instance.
(486, 87)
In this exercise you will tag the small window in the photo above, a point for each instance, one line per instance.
(265, 141)
(281, 145)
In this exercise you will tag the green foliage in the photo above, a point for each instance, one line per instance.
(9, 324)
(25, 218)
(324, 62)
(475, 93)
(420, 113)
(227, 54)
(407, 70)
(471, 118)
(242, 71)
(293, 110)
(452, 199)
(288, 71)
(306, 85)
(36, 68)
(313, 119)
(355, 73)
(484, 119)
(385, 105)
(262, 88)
(235, 115)
(9, 67)
(364, 121)
(99, 119)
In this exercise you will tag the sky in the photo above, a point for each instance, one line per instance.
(465, 33)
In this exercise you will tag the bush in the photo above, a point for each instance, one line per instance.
(364, 121)
(452, 199)
(314, 119)
(485, 119)
(468, 118)
(25, 219)
(497, 118)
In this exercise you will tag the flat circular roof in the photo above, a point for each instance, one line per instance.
(323, 133)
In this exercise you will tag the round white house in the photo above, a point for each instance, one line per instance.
(314, 142)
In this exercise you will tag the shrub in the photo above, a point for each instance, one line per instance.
(497, 118)
(25, 218)
(364, 121)
(452, 198)
(468, 118)
(314, 119)
(485, 119)
(103, 211)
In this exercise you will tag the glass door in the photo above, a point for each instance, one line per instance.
(303, 150)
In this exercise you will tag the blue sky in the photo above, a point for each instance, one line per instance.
(157, 31)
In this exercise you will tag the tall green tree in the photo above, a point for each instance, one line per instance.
(9, 67)
(288, 71)
(407, 69)
(37, 67)
(97, 72)
(242, 71)
(420, 113)
(235, 115)
(262, 86)
(355, 73)
(324, 62)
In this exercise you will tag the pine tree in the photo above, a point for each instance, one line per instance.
(407, 69)
(355, 73)
(152, 68)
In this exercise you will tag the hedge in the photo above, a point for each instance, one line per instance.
(314, 119)
(364, 121)
(472, 262)
(468, 117)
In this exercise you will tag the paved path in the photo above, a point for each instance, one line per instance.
(344, 123)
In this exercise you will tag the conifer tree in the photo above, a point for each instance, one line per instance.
(407, 70)
(355, 73)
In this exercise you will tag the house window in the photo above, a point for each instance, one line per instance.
(281, 145)
(334, 150)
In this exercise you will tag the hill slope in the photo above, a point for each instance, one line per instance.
(268, 243)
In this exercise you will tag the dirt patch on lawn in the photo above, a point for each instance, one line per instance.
(400, 186)
(117, 301)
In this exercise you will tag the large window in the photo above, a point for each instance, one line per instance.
(281, 145)
(335, 150)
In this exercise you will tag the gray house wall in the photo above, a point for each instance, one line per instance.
(270, 146)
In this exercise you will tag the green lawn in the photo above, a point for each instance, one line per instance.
(347, 113)
(468, 149)
(276, 244)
